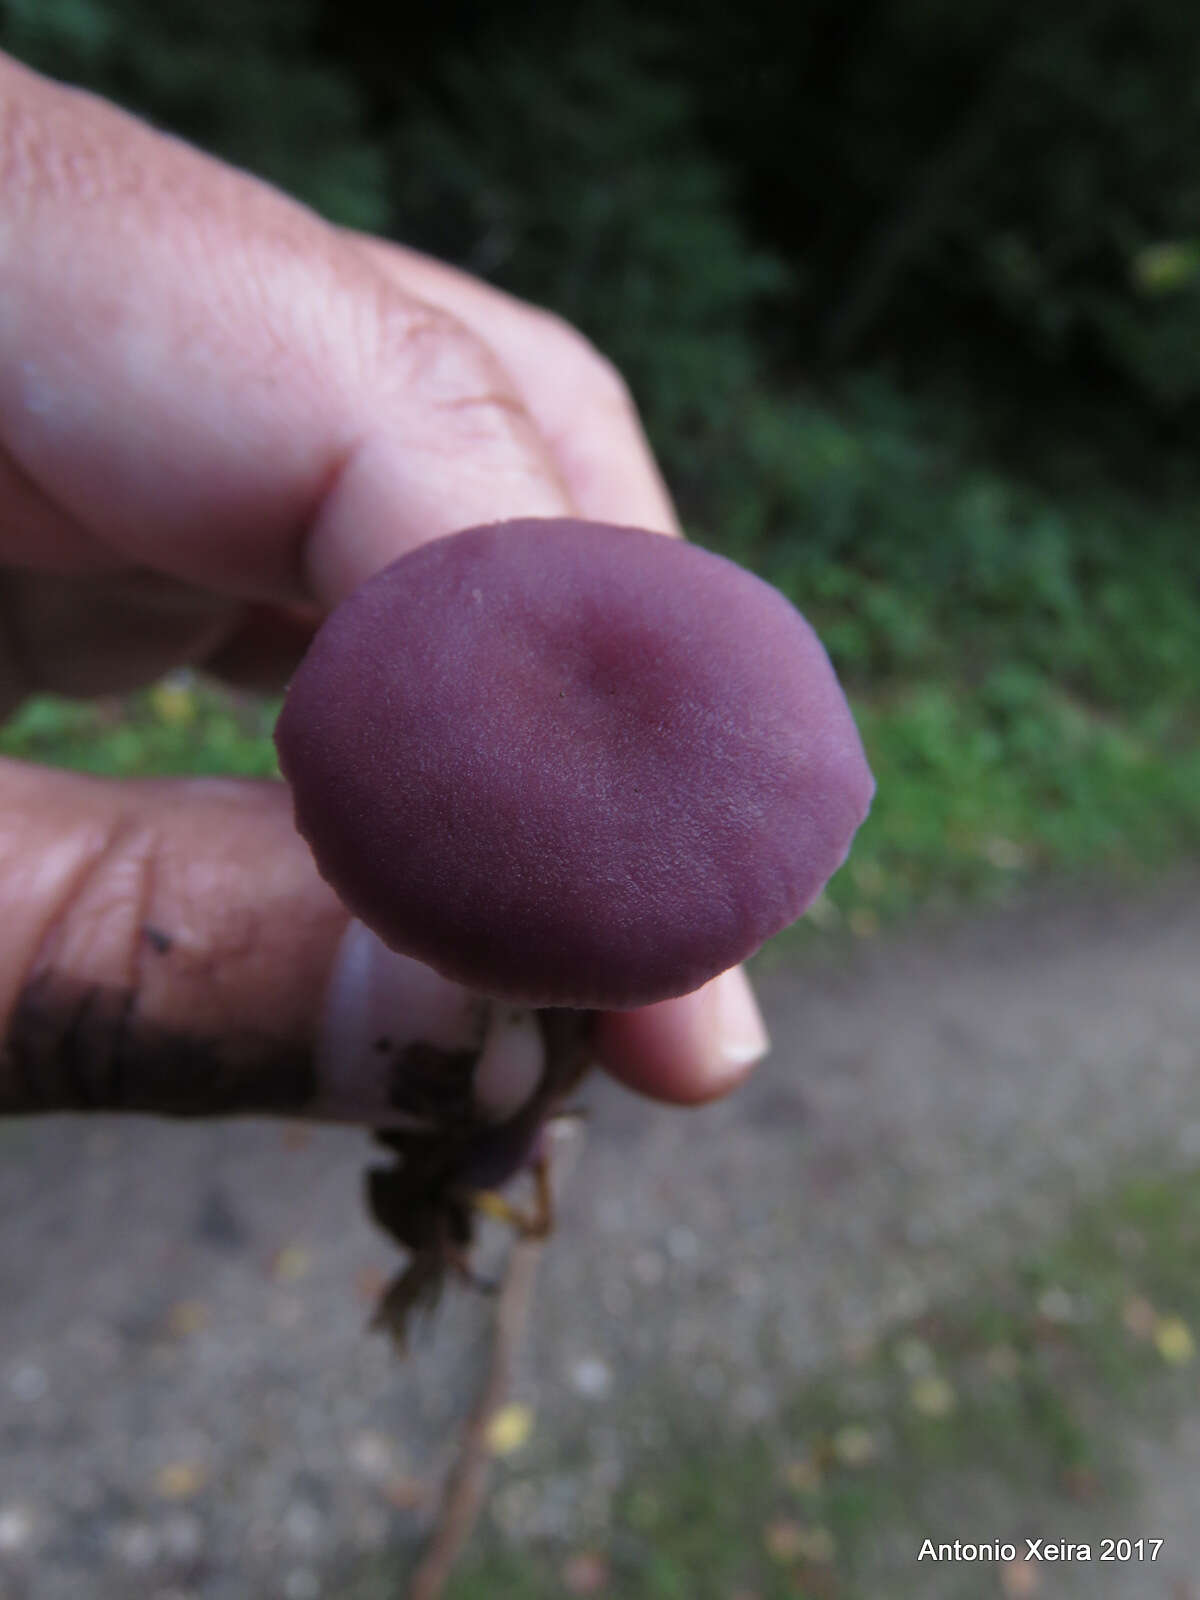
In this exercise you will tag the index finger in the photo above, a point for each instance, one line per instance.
(199, 376)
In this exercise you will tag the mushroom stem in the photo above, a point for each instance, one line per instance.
(428, 1199)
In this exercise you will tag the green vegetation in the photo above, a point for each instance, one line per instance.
(1003, 1415)
(180, 727)
(1025, 665)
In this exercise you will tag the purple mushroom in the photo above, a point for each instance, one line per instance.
(569, 764)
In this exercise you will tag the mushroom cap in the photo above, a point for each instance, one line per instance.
(570, 764)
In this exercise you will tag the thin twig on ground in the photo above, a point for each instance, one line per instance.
(463, 1495)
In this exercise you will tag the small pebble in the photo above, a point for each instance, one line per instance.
(591, 1377)
(1056, 1305)
(371, 1456)
(136, 1544)
(286, 1311)
(682, 1244)
(16, 1527)
(648, 1268)
(182, 1535)
(302, 1524)
(28, 1382)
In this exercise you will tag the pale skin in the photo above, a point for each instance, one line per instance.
(218, 416)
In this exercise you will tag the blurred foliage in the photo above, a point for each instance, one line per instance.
(998, 202)
(914, 559)
(180, 727)
(990, 197)
(572, 172)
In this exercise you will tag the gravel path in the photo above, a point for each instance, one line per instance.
(190, 1408)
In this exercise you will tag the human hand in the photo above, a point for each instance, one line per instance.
(218, 416)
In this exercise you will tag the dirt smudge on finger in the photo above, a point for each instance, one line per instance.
(77, 1046)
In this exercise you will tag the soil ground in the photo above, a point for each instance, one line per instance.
(192, 1409)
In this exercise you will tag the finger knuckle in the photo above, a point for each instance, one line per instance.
(432, 355)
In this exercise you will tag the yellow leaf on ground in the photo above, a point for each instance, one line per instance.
(291, 1262)
(179, 1480)
(186, 1316)
(788, 1541)
(933, 1397)
(855, 1446)
(1174, 1340)
(509, 1428)
(173, 704)
(803, 1475)
(1166, 266)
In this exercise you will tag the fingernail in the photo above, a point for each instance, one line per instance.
(741, 1034)
(377, 1006)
